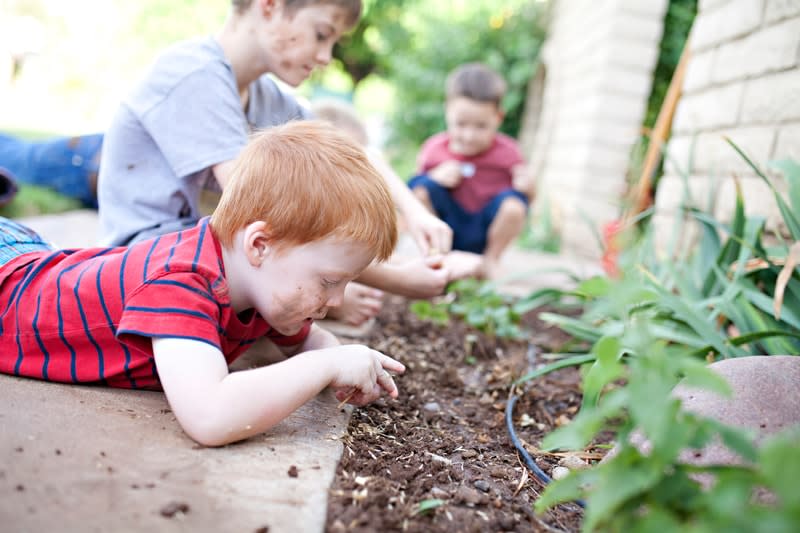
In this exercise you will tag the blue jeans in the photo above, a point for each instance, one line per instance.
(16, 239)
(67, 164)
(470, 230)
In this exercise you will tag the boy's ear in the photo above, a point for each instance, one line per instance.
(256, 243)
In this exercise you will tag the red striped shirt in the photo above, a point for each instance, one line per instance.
(88, 315)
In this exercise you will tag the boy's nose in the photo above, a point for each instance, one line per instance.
(335, 298)
(325, 55)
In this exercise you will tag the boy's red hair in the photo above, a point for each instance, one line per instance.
(307, 182)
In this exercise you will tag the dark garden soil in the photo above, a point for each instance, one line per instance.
(445, 438)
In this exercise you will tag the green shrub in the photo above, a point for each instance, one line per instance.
(660, 323)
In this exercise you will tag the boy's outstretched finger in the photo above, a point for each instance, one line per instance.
(387, 383)
(392, 364)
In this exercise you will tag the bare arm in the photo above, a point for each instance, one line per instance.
(416, 278)
(524, 180)
(222, 172)
(428, 231)
(216, 408)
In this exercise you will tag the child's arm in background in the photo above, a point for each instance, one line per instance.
(523, 180)
(424, 277)
(428, 231)
(215, 407)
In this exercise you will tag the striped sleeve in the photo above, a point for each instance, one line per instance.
(177, 305)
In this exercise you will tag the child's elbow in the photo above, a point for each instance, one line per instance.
(211, 431)
(209, 439)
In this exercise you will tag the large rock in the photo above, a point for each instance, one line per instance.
(765, 399)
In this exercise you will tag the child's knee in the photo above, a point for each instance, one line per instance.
(513, 208)
(421, 193)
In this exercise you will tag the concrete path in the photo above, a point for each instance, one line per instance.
(96, 459)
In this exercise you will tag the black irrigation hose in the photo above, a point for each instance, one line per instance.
(529, 462)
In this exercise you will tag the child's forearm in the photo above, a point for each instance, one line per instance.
(420, 278)
(250, 402)
(215, 407)
(401, 194)
(381, 276)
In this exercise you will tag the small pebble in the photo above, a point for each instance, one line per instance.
(436, 492)
(560, 472)
(293, 472)
(481, 485)
(468, 495)
(432, 407)
(498, 472)
(573, 462)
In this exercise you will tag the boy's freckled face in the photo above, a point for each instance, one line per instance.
(471, 125)
(302, 283)
(304, 40)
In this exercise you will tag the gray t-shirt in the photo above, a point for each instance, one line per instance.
(184, 118)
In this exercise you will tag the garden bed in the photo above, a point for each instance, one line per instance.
(443, 443)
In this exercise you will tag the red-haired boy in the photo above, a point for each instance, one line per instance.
(303, 214)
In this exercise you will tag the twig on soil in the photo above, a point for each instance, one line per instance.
(522, 480)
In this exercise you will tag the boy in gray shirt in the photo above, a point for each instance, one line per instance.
(181, 128)
(168, 134)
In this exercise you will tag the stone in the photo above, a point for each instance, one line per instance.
(765, 400)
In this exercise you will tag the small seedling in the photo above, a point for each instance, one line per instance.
(428, 505)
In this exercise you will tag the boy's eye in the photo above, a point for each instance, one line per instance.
(329, 282)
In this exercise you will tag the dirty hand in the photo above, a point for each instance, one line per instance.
(432, 235)
(447, 174)
(423, 277)
(362, 373)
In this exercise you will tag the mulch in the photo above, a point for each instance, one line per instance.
(444, 443)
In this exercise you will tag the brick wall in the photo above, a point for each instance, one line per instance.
(586, 107)
(743, 82)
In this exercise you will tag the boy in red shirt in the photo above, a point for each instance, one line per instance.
(304, 214)
(471, 176)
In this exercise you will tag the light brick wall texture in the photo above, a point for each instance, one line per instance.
(742, 84)
(599, 58)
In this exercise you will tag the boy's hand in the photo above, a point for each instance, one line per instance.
(430, 232)
(447, 174)
(423, 278)
(362, 373)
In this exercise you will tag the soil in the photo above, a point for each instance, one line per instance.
(445, 437)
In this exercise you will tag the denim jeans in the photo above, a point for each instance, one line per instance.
(67, 164)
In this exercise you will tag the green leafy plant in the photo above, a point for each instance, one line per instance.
(429, 505)
(481, 306)
(661, 322)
